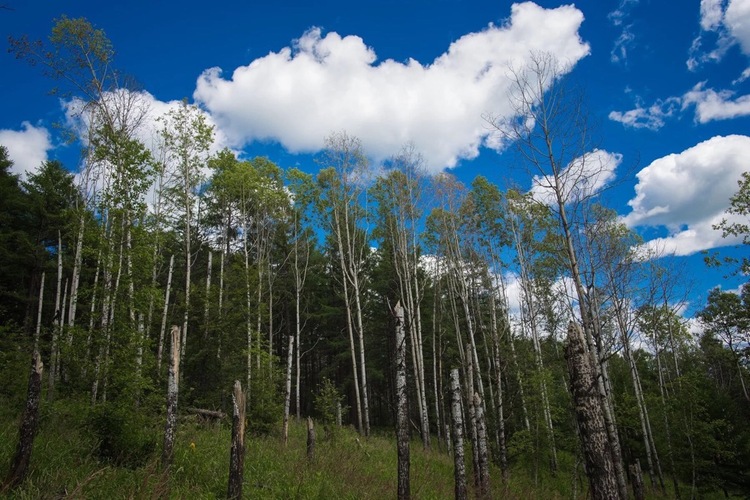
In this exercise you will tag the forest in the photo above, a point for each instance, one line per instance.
(156, 285)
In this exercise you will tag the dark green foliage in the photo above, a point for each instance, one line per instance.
(125, 436)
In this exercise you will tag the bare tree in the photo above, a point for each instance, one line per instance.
(551, 132)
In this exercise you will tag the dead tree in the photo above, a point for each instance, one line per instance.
(459, 467)
(237, 452)
(597, 454)
(20, 463)
(172, 393)
(310, 439)
(402, 405)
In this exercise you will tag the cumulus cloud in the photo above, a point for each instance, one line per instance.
(688, 192)
(651, 117)
(727, 21)
(328, 82)
(709, 105)
(27, 148)
(583, 177)
(142, 111)
(712, 105)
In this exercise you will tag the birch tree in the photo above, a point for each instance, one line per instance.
(341, 186)
(187, 138)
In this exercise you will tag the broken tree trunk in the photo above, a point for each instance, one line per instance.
(20, 463)
(600, 468)
(172, 393)
(459, 468)
(402, 406)
(310, 439)
(237, 452)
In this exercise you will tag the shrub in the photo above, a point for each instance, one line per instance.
(124, 436)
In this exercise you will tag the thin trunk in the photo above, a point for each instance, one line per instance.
(92, 310)
(503, 450)
(56, 325)
(402, 406)
(173, 386)
(472, 415)
(310, 439)
(435, 365)
(459, 467)
(349, 320)
(38, 331)
(248, 317)
(483, 450)
(237, 452)
(163, 329)
(208, 293)
(19, 465)
(221, 306)
(75, 280)
(288, 387)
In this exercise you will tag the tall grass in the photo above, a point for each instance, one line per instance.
(346, 466)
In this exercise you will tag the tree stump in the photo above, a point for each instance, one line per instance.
(20, 464)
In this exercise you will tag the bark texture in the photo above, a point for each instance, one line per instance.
(237, 452)
(310, 439)
(402, 406)
(459, 467)
(600, 468)
(20, 464)
(483, 450)
(172, 393)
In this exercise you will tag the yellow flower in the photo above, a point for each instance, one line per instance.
(192, 446)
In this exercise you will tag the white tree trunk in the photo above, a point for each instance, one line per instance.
(459, 466)
(288, 387)
(165, 310)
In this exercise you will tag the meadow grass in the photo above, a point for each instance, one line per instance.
(345, 466)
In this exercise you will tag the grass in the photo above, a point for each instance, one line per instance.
(64, 464)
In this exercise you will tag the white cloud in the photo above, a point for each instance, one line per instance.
(651, 117)
(688, 192)
(712, 14)
(729, 22)
(27, 148)
(618, 18)
(144, 117)
(712, 105)
(583, 177)
(737, 20)
(709, 105)
(327, 83)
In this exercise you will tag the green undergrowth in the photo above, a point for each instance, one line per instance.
(67, 463)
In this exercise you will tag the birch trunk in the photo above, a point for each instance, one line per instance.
(208, 293)
(56, 325)
(288, 387)
(402, 406)
(237, 452)
(600, 468)
(38, 330)
(20, 463)
(173, 386)
(75, 280)
(163, 329)
(484, 464)
(459, 467)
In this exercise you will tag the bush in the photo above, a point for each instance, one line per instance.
(328, 403)
(124, 436)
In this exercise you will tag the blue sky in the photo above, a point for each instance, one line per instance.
(667, 85)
